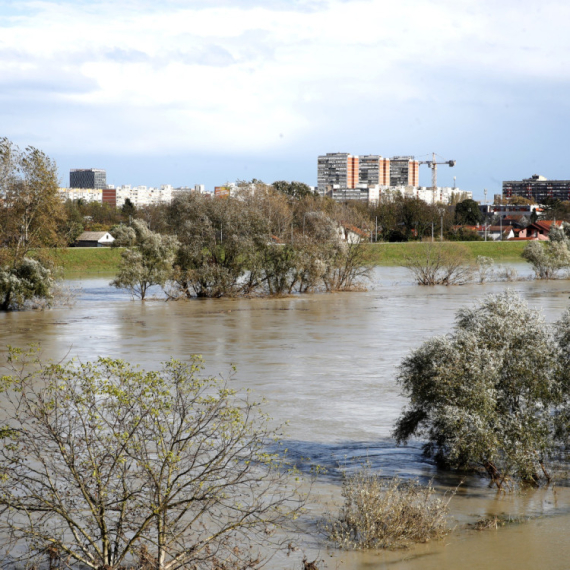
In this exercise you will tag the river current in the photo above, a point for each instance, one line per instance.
(326, 364)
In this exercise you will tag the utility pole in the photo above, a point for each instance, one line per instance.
(376, 240)
(485, 221)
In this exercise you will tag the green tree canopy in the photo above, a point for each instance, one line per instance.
(32, 219)
(294, 189)
(109, 466)
(148, 263)
(468, 213)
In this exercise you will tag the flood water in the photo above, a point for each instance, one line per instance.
(327, 365)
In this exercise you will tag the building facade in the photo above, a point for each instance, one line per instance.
(538, 189)
(337, 170)
(404, 171)
(84, 194)
(143, 195)
(343, 176)
(373, 169)
(88, 178)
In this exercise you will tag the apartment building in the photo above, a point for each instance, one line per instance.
(344, 176)
(95, 178)
(337, 170)
(373, 169)
(143, 195)
(404, 171)
(538, 189)
(85, 194)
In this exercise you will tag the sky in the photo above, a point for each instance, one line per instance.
(184, 92)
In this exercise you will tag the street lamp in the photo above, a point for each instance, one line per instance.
(441, 213)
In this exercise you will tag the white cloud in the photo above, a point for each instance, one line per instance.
(234, 76)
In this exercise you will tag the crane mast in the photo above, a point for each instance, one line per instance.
(433, 165)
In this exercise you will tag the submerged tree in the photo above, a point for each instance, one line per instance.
(148, 263)
(439, 264)
(23, 281)
(550, 257)
(262, 242)
(105, 466)
(489, 394)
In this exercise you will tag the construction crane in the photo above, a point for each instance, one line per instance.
(433, 165)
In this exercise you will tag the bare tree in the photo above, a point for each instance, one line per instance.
(439, 264)
(103, 465)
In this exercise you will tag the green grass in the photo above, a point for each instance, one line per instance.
(394, 253)
(106, 259)
(89, 259)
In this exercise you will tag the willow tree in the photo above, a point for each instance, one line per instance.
(104, 466)
(489, 395)
(147, 263)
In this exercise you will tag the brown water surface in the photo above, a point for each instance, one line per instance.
(327, 365)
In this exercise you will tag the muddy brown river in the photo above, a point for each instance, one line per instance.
(326, 364)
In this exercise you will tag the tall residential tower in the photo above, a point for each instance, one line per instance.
(404, 171)
(337, 170)
(88, 178)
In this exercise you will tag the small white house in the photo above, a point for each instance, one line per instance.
(94, 239)
(351, 234)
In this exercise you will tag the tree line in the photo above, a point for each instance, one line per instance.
(260, 242)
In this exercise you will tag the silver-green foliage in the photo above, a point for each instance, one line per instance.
(547, 258)
(149, 263)
(491, 394)
(103, 465)
(125, 236)
(24, 281)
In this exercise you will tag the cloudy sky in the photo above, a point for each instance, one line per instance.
(209, 91)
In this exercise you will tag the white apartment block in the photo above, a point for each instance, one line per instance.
(144, 195)
(443, 195)
(85, 194)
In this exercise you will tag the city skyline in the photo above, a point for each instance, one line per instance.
(210, 92)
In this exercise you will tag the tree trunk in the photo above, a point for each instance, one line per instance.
(494, 474)
(5, 306)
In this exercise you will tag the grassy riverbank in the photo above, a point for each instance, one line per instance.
(89, 259)
(394, 253)
(106, 259)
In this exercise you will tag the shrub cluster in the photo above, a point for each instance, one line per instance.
(386, 513)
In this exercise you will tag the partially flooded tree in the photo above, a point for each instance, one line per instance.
(148, 263)
(27, 280)
(488, 395)
(31, 218)
(551, 257)
(439, 264)
(108, 466)
(263, 242)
